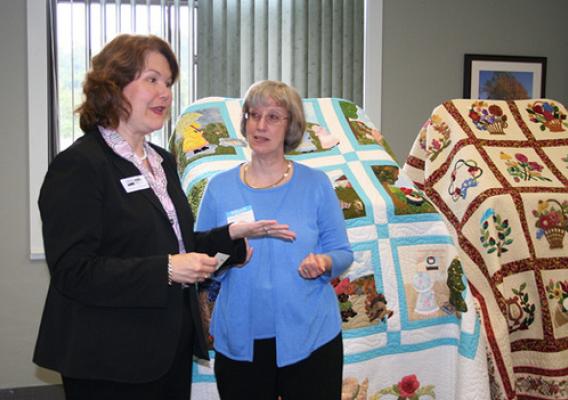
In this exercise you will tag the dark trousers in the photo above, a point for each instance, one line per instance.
(174, 385)
(318, 377)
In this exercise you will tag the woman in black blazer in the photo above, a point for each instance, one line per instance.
(121, 319)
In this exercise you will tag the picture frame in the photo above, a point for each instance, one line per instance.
(501, 77)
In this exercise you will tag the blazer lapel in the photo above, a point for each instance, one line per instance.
(127, 169)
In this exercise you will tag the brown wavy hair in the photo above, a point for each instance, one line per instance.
(120, 62)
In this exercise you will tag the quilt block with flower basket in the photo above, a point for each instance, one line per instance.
(501, 183)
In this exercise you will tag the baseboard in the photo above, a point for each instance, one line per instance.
(47, 392)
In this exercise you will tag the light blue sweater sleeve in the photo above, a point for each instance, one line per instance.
(333, 239)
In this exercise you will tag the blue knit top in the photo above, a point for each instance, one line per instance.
(267, 298)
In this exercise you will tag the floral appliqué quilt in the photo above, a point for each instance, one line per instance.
(498, 172)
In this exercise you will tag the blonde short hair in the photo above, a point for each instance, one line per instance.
(284, 96)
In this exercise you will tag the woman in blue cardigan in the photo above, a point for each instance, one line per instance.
(276, 323)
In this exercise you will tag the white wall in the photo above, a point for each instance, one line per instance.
(23, 283)
(423, 47)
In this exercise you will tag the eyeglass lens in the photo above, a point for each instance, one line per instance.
(271, 118)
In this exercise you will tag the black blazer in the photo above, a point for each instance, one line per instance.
(110, 313)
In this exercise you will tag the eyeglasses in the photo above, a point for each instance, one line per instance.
(272, 118)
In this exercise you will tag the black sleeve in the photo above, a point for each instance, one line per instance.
(218, 240)
(215, 240)
(71, 206)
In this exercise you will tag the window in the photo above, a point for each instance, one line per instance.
(222, 46)
(79, 29)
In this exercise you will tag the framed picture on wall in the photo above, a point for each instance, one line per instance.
(503, 77)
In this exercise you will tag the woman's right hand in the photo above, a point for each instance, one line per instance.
(192, 267)
(262, 228)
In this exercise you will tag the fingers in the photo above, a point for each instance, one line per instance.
(262, 228)
(249, 252)
(192, 267)
(269, 227)
(274, 229)
(281, 234)
(239, 230)
(206, 267)
(313, 266)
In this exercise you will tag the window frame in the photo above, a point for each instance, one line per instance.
(37, 116)
(38, 99)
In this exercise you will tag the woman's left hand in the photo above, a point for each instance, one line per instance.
(261, 228)
(314, 265)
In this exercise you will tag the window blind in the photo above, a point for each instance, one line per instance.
(223, 46)
(316, 46)
(78, 29)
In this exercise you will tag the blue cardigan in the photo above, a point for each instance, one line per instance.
(267, 297)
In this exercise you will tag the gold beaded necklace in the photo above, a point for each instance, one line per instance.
(279, 181)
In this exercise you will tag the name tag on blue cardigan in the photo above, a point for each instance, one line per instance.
(243, 214)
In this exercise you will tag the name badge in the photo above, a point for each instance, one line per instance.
(134, 183)
(243, 214)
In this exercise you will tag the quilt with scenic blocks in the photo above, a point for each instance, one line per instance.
(410, 328)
